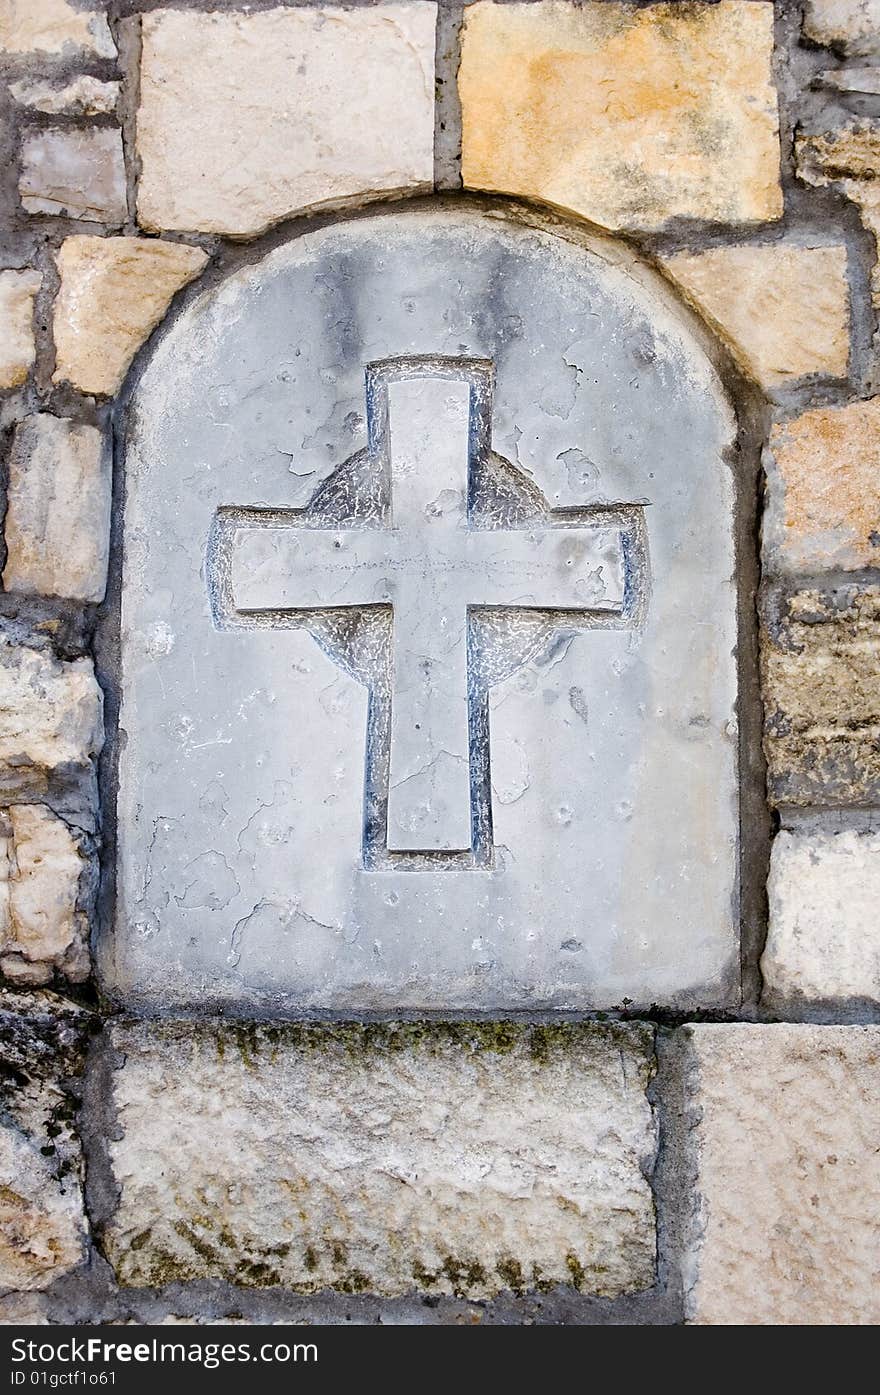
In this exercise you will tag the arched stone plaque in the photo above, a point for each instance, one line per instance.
(428, 635)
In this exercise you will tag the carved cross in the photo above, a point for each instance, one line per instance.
(432, 524)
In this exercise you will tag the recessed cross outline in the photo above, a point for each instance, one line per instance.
(429, 567)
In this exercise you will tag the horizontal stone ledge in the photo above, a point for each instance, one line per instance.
(442, 1158)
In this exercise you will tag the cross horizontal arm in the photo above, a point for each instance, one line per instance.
(276, 567)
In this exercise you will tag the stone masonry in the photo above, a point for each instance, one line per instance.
(704, 1153)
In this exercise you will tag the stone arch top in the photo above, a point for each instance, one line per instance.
(428, 634)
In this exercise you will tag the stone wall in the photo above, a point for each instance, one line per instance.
(607, 1169)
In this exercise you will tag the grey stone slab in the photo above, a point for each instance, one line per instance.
(428, 634)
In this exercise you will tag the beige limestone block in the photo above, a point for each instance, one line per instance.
(822, 503)
(80, 96)
(42, 1232)
(449, 1159)
(849, 160)
(823, 943)
(850, 25)
(44, 930)
(785, 1142)
(114, 291)
(57, 27)
(75, 173)
(245, 119)
(58, 510)
(17, 350)
(821, 689)
(630, 116)
(783, 309)
(51, 710)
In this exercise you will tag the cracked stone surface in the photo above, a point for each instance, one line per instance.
(75, 174)
(51, 717)
(42, 927)
(452, 1159)
(80, 96)
(246, 119)
(821, 685)
(285, 843)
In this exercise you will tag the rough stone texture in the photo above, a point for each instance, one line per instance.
(785, 1138)
(823, 943)
(783, 309)
(43, 1230)
(856, 80)
(629, 116)
(64, 28)
(41, 929)
(852, 26)
(821, 685)
(75, 173)
(588, 871)
(822, 505)
(50, 715)
(847, 159)
(17, 351)
(58, 510)
(245, 119)
(114, 291)
(453, 1159)
(79, 96)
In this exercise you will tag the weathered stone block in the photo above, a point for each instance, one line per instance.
(79, 96)
(75, 173)
(62, 28)
(848, 159)
(783, 309)
(58, 510)
(449, 1159)
(822, 695)
(43, 1229)
(17, 348)
(247, 118)
(785, 1140)
(822, 505)
(42, 928)
(853, 26)
(51, 716)
(823, 942)
(344, 838)
(114, 291)
(631, 116)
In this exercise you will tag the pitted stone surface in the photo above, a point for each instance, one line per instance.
(785, 1146)
(428, 608)
(451, 1159)
(43, 1228)
(823, 940)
